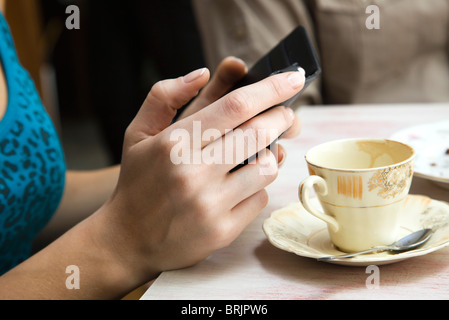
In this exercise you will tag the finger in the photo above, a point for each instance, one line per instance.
(246, 211)
(164, 99)
(244, 103)
(251, 178)
(228, 227)
(294, 130)
(249, 138)
(281, 155)
(230, 70)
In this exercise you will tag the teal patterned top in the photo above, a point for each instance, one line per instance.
(32, 166)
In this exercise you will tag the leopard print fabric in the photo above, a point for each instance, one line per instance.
(32, 167)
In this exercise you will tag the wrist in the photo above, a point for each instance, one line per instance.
(119, 249)
(103, 274)
(101, 271)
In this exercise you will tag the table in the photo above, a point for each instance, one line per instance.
(251, 268)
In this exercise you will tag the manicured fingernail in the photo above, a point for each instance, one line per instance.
(291, 113)
(192, 76)
(282, 157)
(296, 79)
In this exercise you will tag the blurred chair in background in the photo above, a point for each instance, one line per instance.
(405, 60)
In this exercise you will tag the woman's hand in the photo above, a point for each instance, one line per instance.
(166, 216)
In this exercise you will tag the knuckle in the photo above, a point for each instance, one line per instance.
(236, 105)
(201, 200)
(226, 241)
(163, 147)
(184, 182)
(159, 92)
(221, 234)
(202, 206)
(277, 89)
(250, 134)
(129, 131)
(263, 198)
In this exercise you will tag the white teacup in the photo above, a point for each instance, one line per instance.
(361, 185)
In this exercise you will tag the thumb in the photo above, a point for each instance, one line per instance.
(229, 71)
(161, 104)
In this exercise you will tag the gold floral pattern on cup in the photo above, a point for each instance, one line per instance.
(391, 181)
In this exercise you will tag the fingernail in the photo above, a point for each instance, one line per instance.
(283, 156)
(302, 71)
(291, 113)
(192, 76)
(296, 80)
(268, 163)
(238, 60)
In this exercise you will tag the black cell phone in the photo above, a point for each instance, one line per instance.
(295, 50)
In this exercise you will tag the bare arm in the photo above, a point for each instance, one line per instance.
(84, 193)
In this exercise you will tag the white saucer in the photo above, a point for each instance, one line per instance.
(431, 142)
(295, 230)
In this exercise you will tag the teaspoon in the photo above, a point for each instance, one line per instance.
(408, 242)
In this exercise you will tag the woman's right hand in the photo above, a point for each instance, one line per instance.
(165, 215)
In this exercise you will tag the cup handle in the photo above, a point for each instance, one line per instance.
(304, 197)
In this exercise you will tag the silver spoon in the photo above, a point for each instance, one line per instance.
(409, 242)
